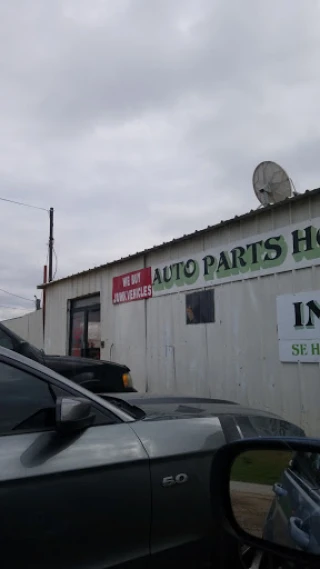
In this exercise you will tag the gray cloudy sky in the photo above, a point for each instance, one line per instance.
(141, 120)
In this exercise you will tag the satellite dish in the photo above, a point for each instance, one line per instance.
(271, 183)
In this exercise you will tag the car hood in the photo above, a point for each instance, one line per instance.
(75, 361)
(161, 407)
(174, 425)
(164, 407)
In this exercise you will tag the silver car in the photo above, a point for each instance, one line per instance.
(91, 481)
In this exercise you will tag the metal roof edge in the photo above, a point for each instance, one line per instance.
(236, 219)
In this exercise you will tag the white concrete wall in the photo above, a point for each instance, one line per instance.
(29, 327)
(236, 357)
(122, 327)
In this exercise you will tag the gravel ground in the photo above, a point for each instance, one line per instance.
(250, 509)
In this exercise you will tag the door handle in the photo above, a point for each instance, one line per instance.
(300, 537)
(279, 490)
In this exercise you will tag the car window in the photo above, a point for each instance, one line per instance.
(313, 462)
(307, 465)
(6, 341)
(26, 402)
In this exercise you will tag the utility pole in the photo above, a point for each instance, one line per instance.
(51, 240)
(45, 275)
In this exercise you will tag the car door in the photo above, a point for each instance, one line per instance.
(286, 491)
(67, 501)
(305, 503)
(296, 505)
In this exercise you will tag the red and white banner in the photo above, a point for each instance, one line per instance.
(132, 286)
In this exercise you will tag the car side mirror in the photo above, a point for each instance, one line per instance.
(261, 501)
(73, 415)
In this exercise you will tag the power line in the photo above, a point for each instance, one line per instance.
(24, 204)
(16, 295)
(51, 238)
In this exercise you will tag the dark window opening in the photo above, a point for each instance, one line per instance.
(200, 307)
(85, 327)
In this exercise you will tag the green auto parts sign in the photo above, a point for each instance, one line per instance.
(292, 247)
(298, 317)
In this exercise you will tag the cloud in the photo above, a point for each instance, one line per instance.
(140, 121)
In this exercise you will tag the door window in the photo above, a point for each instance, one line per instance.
(77, 334)
(5, 340)
(85, 327)
(312, 466)
(26, 402)
(307, 465)
(94, 334)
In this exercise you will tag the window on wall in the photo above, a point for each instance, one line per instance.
(200, 307)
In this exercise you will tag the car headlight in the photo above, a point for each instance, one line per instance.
(127, 380)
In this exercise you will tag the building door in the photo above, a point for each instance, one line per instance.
(85, 327)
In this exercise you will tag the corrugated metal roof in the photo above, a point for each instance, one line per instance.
(236, 219)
